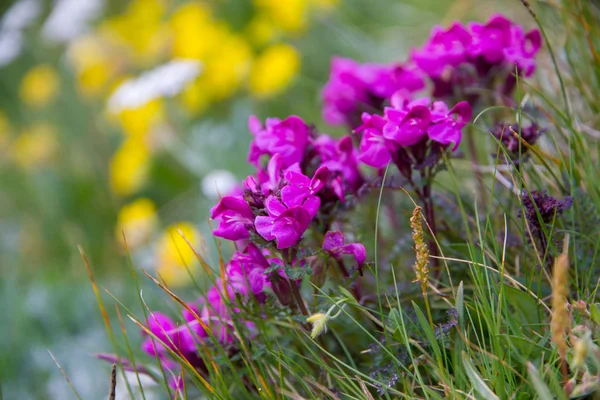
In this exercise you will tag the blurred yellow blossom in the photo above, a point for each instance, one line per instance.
(139, 28)
(94, 63)
(274, 69)
(35, 146)
(138, 220)
(229, 67)
(288, 15)
(174, 255)
(325, 4)
(130, 167)
(261, 30)
(138, 122)
(39, 85)
(195, 33)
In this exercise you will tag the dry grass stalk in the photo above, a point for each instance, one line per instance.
(422, 254)
(560, 315)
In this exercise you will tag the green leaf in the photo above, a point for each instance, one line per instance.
(595, 311)
(525, 306)
(460, 306)
(543, 391)
(476, 379)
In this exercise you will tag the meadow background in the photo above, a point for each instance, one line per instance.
(70, 168)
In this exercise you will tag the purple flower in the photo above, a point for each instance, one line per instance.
(373, 146)
(407, 126)
(301, 191)
(245, 271)
(288, 138)
(341, 158)
(445, 48)
(521, 53)
(446, 126)
(285, 227)
(235, 218)
(353, 88)
(333, 243)
(490, 39)
(166, 334)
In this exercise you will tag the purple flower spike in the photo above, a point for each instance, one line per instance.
(333, 243)
(286, 228)
(288, 138)
(235, 218)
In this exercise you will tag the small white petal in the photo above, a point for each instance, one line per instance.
(166, 80)
(218, 183)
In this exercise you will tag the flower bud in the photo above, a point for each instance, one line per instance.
(318, 264)
(281, 288)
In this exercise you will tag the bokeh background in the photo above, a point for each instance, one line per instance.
(131, 116)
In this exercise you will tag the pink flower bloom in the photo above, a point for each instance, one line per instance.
(301, 191)
(235, 218)
(446, 127)
(245, 271)
(523, 49)
(284, 227)
(373, 146)
(490, 39)
(341, 158)
(288, 138)
(166, 334)
(333, 243)
(408, 124)
(445, 48)
(354, 87)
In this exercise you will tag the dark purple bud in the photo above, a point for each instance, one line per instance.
(281, 288)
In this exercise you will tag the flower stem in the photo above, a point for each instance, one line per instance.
(430, 218)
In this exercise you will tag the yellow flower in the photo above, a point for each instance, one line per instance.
(39, 86)
(174, 256)
(195, 33)
(325, 4)
(289, 15)
(35, 146)
(274, 70)
(138, 122)
(130, 167)
(261, 29)
(93, 63)
(137, 220)
(228, 68)
(139, 28)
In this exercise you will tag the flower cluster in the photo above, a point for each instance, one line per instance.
(462, 56)
(354, 88)
(287, 219)
(459, 61)
(410, 131)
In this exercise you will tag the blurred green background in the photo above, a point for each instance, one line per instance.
(74, 172)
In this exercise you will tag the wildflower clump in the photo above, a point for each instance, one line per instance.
(291, 221)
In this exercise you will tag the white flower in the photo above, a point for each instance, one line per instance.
(218, 183)
(70, 18)
(18, 17)
(166, 80)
